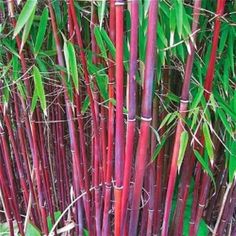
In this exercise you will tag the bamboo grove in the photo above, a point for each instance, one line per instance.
(117, 117)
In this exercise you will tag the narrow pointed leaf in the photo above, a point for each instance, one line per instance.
(101, 11)
(41, 31)
(39, 88)
(205, 166)
(100, 42)
(109, 43)
(208, 141)
(71, 63)
(182, 148)
(24, 16)
(27, 29)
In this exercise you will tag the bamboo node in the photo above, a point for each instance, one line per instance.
(108, 186)
(150, 210)
(96, 188)
(146, 118)
(119, 3)
(111, 82)
(184, 101)
(131, 120)
(201, 205)
(118, 188)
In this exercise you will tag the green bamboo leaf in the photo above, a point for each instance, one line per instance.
(101, 11)
(34, 101)
(86, 232)
(10, 46)
(40, 89)
(164, 7)
(181, 53)
(223, 38)
(142, 40)
(85, 105)
(197, 98)
(24, 16)
(182, 148)
(5, 92)
(16, 75)
(32, 230)
(100, 42)
(234, 101)
(108, 41)
(5, 69)
(146, 7)
(194, 117)
(102, 82)
(27, 29)
(158, 148)
(71, 63)
(225, 75)
(171, 96)
(178, 6)
(67, 59)
(225, 106)
(161, 35)
(231, 50)
(232, 162)
(205, 166)
(224, 120)
(156, 134)
(208, 141)
(41, 31)
(57, 215)
(186, 26)
(58, 13)
(166, 119)
(203, 228)
(172, 20)
(213, 102)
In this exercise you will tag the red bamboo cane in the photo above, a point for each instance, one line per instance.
(119, 127)
(141, 155)
(180, 124)
(78, 180)
(130, 135)
(109, 168)
(208, 88)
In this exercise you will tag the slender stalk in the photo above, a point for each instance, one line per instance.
(10, 176)
(227, 192)
(94, 119)
(6, 201)
(110, 137)
(146, 117)
(208, 88)
(30, 126)
(78, 180)
(180, 125)
(119, 127)
(228, 211)
(131, 122)
(158, 206)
